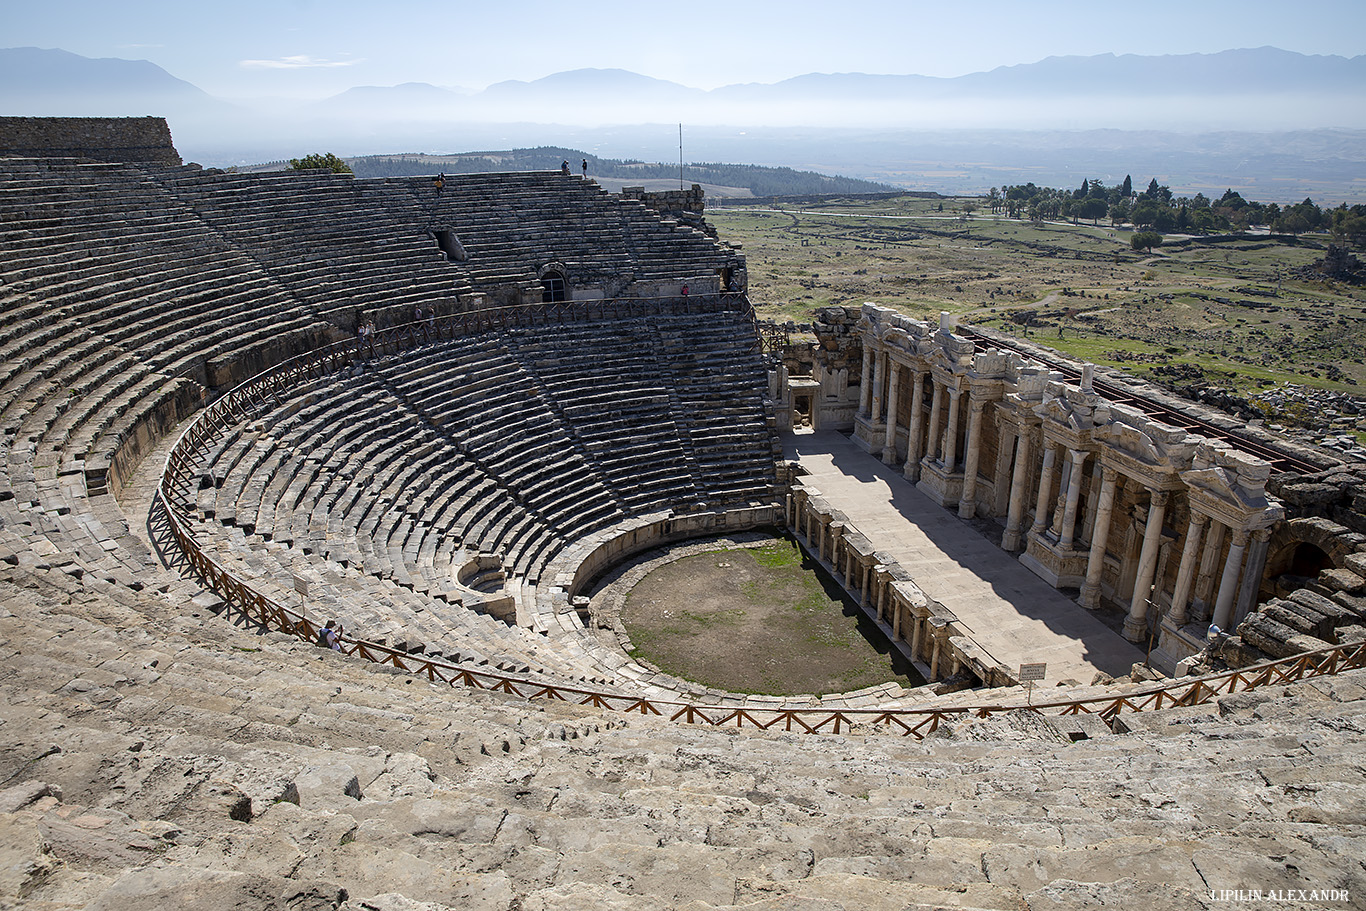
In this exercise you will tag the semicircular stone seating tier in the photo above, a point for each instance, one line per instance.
(129, 294)
(510, 224)
(118, 306)
(387, 486)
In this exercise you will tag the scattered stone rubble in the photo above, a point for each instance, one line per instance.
(1338, 263)
(1332, 419)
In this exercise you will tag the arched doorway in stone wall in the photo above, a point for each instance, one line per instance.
(1300, 551)
(554, 287)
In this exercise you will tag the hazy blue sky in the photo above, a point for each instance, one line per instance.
(314, 48)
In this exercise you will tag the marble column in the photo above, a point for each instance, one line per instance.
(1045, 489)
(951, 432)
(865, 390)
(879, 370)
(1069, 513)
(932, 431)
(916, 625)
(1005, 450)
(1252, 575)
(936, 631)
(967, 503)
(1088, 525)
(1228, 582)
(893, 388)
(1136, 625)
(915, 434)
(1019, 490)
(1202, 606)
(1095, 560)
(1185, 573)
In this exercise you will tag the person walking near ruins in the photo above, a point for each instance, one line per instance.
(367, 331)
(330, 636)
(585, 169)
(440, 182)
(564, 167)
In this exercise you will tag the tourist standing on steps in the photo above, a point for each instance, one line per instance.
(367, 336)
(585, 169)
(564, 167)
(419, 323)
(440, 182)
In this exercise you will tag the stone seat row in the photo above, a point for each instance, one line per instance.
(379, 610)
(454, 499)
(375, 441)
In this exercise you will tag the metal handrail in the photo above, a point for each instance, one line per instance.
(178, 477)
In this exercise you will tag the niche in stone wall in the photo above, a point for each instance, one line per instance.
(450, 245)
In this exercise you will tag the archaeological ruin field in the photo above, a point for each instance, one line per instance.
(1246, 311)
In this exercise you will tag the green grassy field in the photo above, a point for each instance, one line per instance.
(1233, 309)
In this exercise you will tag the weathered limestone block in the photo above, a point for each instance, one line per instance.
(203, 890)
(1343, 580)
(1316, 602)
(1300, 618)
(1276, 639)
(404, 775)
(324, 784)
(26, 858)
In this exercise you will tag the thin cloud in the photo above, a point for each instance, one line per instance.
(295, 62)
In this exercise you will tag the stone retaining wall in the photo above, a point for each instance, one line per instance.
(583, 562)
(135, 140)
(927, 630)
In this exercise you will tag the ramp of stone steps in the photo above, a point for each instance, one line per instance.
(1010, 612)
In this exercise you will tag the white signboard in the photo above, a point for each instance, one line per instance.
(1031, 672)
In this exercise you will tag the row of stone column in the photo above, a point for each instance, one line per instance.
(1060, 512)
(923, 436)
(1197, 561)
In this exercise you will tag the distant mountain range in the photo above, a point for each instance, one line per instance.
(55, 82)
(34, 80)
(1070, 117)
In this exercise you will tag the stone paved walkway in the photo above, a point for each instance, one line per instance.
(1011, 613)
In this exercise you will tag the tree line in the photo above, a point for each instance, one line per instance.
(760, 180)
(1157, 210)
